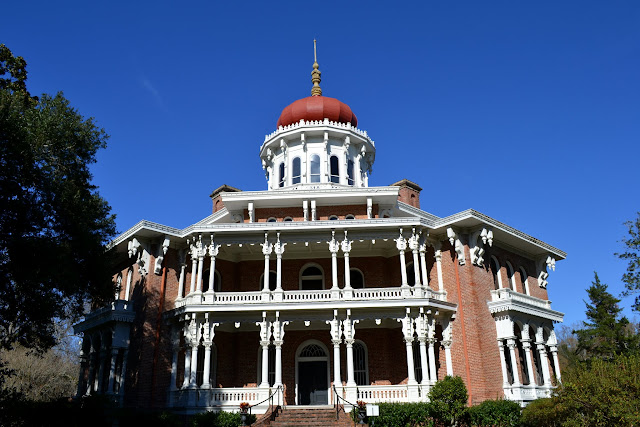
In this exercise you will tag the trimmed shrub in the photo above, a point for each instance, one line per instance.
(496, 413)
(219, 419)
(402, 415)
(449, 401)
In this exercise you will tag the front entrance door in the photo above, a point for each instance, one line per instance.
(312, 383)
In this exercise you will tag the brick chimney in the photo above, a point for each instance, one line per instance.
(409, 192)
(216, 196)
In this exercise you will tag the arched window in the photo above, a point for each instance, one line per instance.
(511, 276)
(350, 216)
(272, 219)
(295, 173)
(288, 219)
(524, 280)
(315, 168)
(495, 271)
(272, 281)
(335, 171)
(333, 217)
(360, 363)
(281, 176)
(356, 278)
(216, 281)
(350, 180)
(311, 278)
(411, 274)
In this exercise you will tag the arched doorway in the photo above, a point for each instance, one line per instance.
(312, 374)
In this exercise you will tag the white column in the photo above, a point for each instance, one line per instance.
(334, 247)
(556, 362)
(503, 364)
(447, 341)
(112, 370)
(526, 345)
(194, 364)
(279, 249)
(267, 248)
(438, 256)
(545, 364)
(433, 375)
(336, 333)
(200, 265)
(206, 371)
(424, 361)
(414, 245)
(346, 248)
(213, 253)
(128, 289)
(278, 340)
(264, 383)
(423, 264)
(514, 365)
(349, 339)
(401, 245)
(187, 364)
(194, 270)
(181, 280)
(407, 331)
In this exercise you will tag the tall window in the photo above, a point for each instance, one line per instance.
(495, 271)
(360, 363)
(350, 180)
(295, 175)
(315, 168)
(311, 279)
(200, 366)
(335, 170)
(281, 175)
(511, 276)
(523, 280)
(417, 360)
(356, 278)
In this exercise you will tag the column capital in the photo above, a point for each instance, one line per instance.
(265, 343)
(511, 343)
(349, 342)
(278, 343)
(346, 244)
(334, 245)
(414, 243)
(279, 247)
(447, 343)
(401, 242)
(267, 247)
(213, 248)
(336, 342)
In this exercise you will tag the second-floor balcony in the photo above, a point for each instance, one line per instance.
(294, 297)
(509, 300)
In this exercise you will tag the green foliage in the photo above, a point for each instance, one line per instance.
(54, 223)
(543, 413)
(631, 278)
(448, 401)
(401, 415)
(498, 413)
(605, 333)
(219, 419)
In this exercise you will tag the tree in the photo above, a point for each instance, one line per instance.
(448, 398)
(53, 223)
(605, 333)
(631, 278)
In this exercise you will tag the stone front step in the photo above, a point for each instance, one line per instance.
(320, 417)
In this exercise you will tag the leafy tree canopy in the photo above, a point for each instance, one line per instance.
(53, 222)
(605, 333)
(631, 278)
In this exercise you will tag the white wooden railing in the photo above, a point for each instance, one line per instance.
(228, 398)
(508, 294)
(383, 393)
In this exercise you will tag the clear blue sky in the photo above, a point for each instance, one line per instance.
(526, 111)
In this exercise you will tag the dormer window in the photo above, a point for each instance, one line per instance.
(281, 175)
(350, 180)
(295, 176)
(315, 168)
(335, 170)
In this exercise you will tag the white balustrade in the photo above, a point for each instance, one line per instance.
(508, 294)
(323, 295)
(383, 393)
(377, 293)
(238, 297)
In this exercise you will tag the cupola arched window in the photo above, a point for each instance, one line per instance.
(281, 175)
(295, 174)
(315, 168)
(350, 180)
(312, 278)
(335, 170)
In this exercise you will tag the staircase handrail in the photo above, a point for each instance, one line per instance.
(270, 399)
(337, 405)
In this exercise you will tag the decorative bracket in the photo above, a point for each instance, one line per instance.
(454, 239)
(543, 264)
(478, 239)
(157, 269)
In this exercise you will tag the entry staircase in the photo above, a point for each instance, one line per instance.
(310, 417)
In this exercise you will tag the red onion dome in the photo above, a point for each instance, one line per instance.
(317, 108)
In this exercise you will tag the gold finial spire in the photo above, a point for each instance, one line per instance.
(315, 74)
